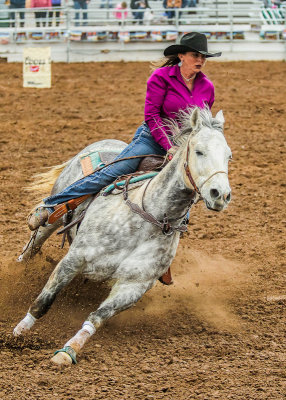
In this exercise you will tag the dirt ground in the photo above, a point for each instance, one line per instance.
(219, 331)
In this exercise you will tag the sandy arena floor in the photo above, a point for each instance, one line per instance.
(219, 331)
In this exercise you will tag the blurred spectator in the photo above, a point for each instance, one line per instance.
(41, 16)
(191, 3)
(17, 4)
(106, 4)
(139, 5)
(275, 3)
(56, 14)
(171, 5)
(81, 4)
(148, 16)
(4, 14)
(119, 14)
(266, 3)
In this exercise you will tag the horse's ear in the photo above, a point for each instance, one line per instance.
(220, 117)
(195, 120)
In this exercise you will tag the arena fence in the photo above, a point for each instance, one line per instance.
(105, 29)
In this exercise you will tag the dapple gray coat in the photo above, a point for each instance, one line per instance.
(114, 243)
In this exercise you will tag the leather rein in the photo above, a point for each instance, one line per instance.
(166, 228)
(191, 179)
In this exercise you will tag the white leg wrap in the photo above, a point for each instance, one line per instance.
(25, 325)
(79, 339)
(88, 326)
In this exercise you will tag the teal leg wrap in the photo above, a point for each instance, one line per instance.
(70, 351)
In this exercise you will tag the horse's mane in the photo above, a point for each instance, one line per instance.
(181, 128)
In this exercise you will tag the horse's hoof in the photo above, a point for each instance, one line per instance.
(61, 358)
(24, 325)
(17, 332)
(19, 329)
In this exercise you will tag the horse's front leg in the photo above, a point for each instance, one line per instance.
(122, 296)
(37, 239)
(62, 275)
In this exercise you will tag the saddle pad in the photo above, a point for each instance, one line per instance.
(95, 159)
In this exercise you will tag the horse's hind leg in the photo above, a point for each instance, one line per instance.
(62, 275)
(122, 296)
(37, 239)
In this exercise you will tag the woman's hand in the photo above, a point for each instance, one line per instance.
(171, 152)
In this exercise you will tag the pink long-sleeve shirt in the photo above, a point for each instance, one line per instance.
(120, 13)
(41, 4)
(167, 94)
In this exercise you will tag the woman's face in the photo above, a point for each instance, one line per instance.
(192, 61)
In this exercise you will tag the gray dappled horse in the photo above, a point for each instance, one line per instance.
(114, 243)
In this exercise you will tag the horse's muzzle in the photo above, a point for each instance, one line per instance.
(218, 202)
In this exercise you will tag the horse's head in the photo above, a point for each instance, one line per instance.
(206, 157)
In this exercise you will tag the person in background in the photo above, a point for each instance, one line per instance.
(148, 16)
(80, 5)
(56, 14)
(41, 16)
(17, 4)
(192, 4)
(4, 14)
(121, 12)
(171, 5)
(139, 5)
(106, 4)
(176, 84)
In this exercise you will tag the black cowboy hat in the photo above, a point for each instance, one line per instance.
(193, 41)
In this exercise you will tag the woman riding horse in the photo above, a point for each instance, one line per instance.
(177, 84)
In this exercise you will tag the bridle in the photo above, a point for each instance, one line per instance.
(191, 179)
(164, 225)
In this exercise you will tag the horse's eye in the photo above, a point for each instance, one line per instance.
(230, 158)
(199, 153)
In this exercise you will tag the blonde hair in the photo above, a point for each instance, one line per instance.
(165, 61)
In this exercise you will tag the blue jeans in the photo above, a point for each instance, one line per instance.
(80, 5)
(139, 15)
(142, 143)
(13, 14)
(106, 4)
(171, 14)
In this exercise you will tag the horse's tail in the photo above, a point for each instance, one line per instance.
(43, 183)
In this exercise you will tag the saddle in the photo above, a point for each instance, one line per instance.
(95, 161)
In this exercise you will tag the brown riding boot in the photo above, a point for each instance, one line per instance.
(166, 278)
(38, 218)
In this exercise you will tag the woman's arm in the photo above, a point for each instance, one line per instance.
(212, 97)
(155, 95)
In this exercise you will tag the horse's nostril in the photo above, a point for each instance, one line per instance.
(228, 197)
(214, 193)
